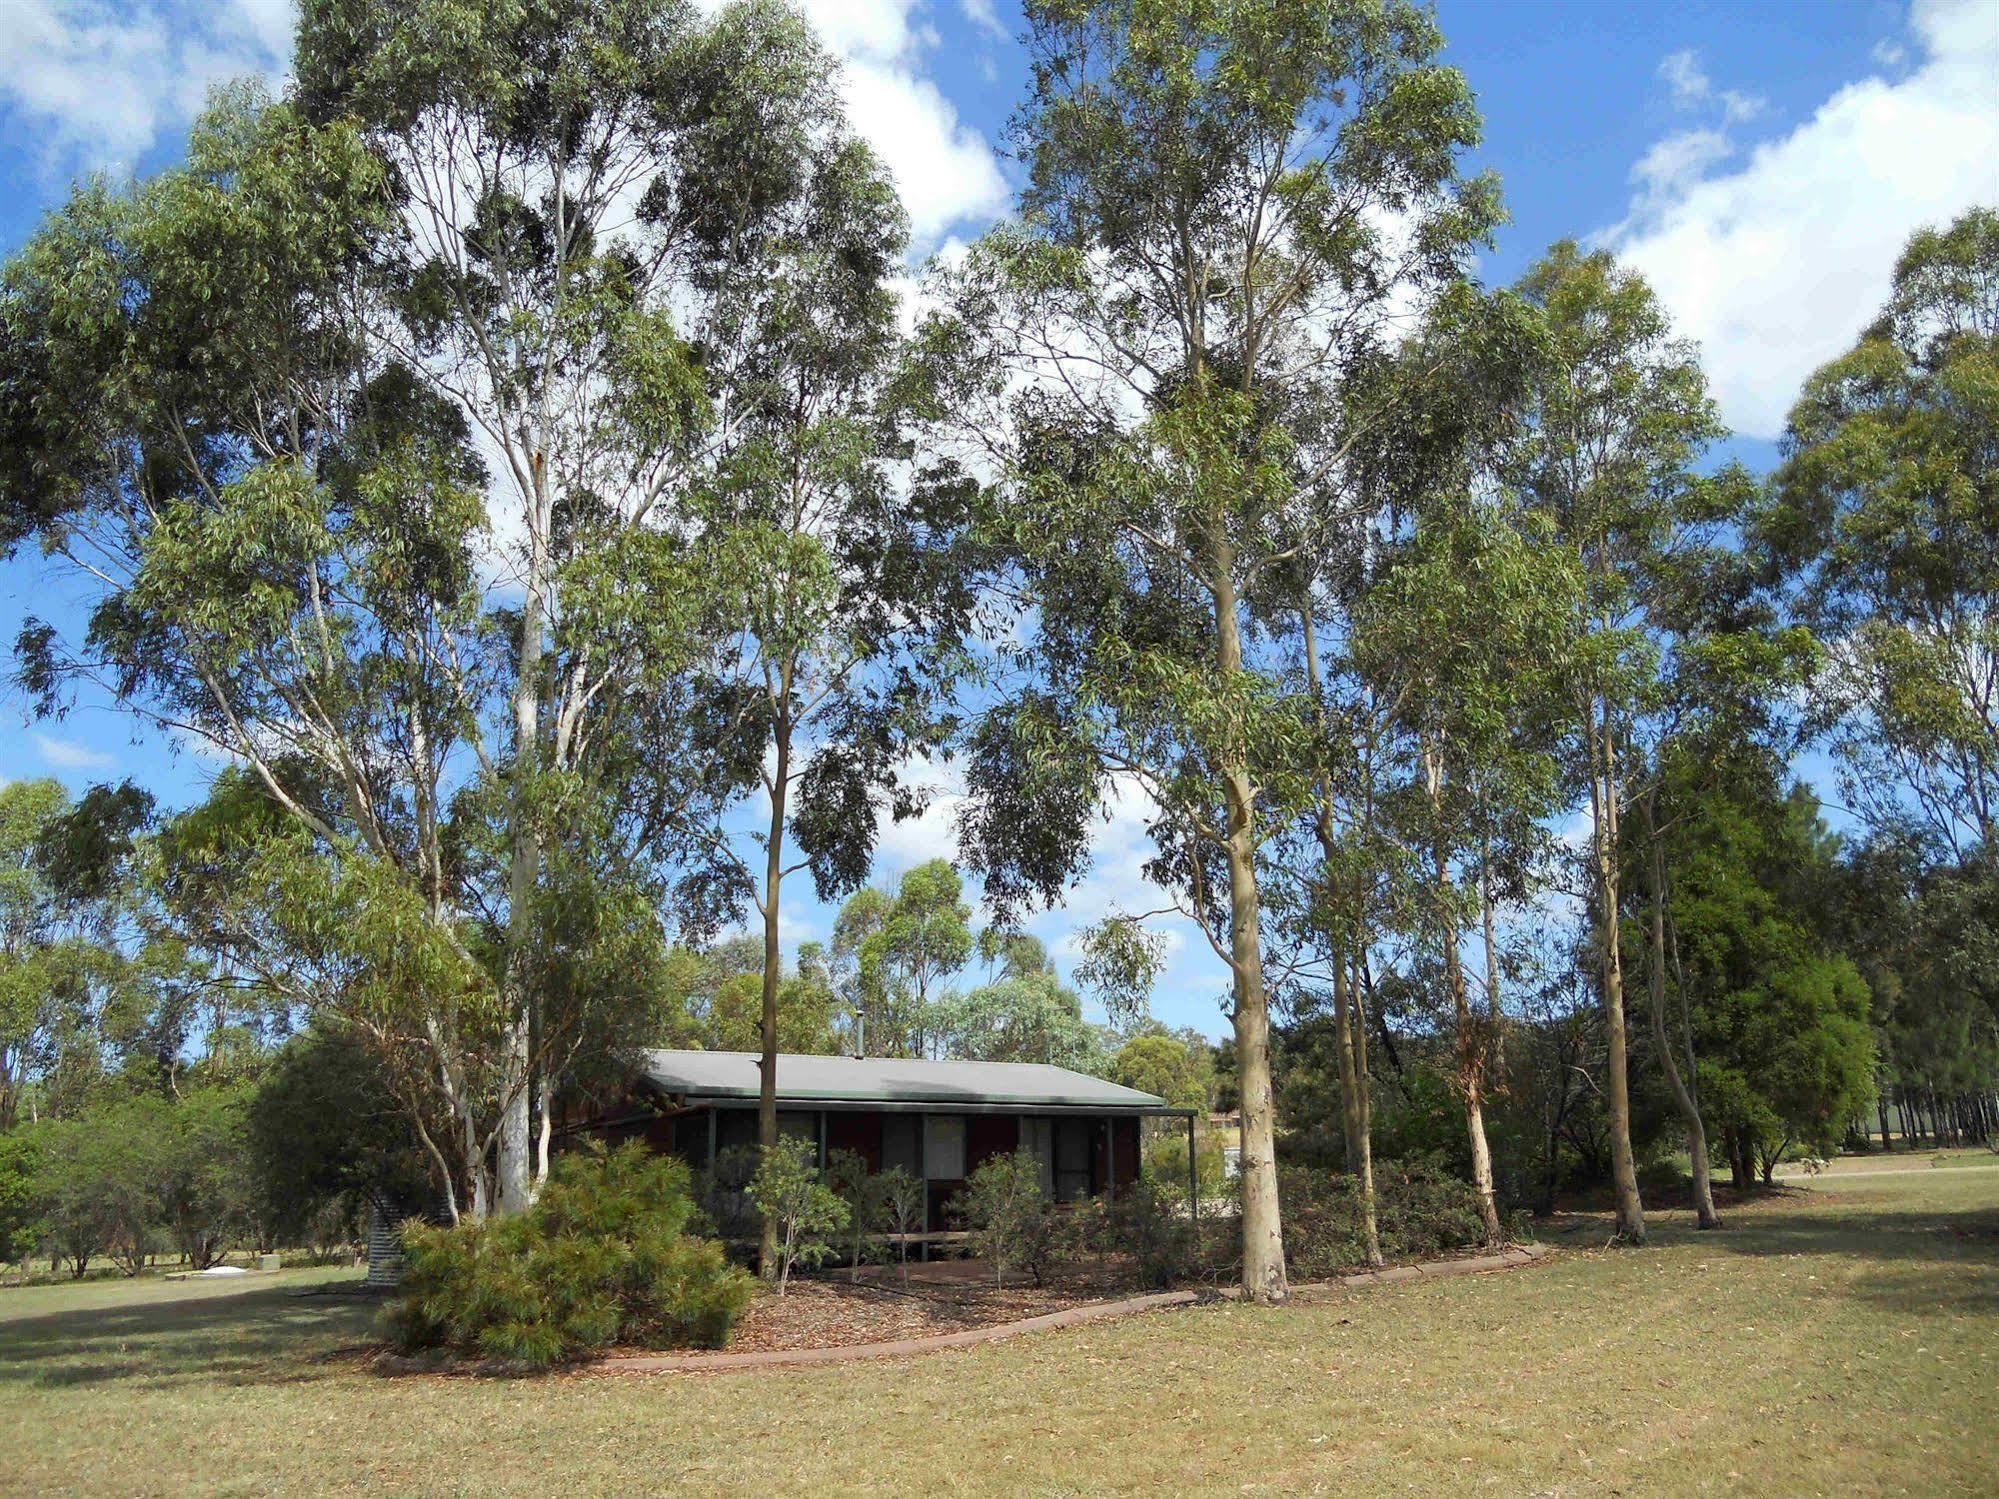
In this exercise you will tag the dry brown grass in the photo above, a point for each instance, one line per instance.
(1838, 1340)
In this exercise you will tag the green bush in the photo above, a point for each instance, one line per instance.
(1007, 1212)
(602, 1257)
(1420, 1211)
(1166, 1162)
(1144, 1222)
(800, 1207)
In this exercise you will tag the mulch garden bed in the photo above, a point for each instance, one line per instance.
(878, 1315)
(832, 1312)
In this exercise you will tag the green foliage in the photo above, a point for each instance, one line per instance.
(1166, 1163)
(602, 1258)
(82, 986)
(905, 1202)
(1781, 1023)
(1148, 1225)
(203, 1183)
(20, 1170)
(1026, 1018)
(722, 1190)
(96, 1187)
(1422, 1211)
(1886, 512)
(897, 951)
(324, 1131)
(1008, 1214)
(731, 1006)
(1178, 1068)
(865, 1193)
(1121, 962)
(791, 1195)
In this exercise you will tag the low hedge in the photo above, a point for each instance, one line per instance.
(603, 1257)
(1421, 1211)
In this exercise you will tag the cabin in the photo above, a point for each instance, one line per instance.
(939, 1121)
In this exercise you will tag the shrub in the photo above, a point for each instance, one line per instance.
(1166, 1163)
(904, 1203)
(1144, 1223)
(602, 1257)
(1008, 1214)
(95, 1189)
(861, 1189)
(1420, 1210)
(788, 1191)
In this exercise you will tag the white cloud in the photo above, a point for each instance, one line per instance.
(932, 835)
(945, 169)
(1890, 53)
(981, 14)
(1774, 263)
(1693, 89)
(67, 754)
(1676, 162)
(101, 84)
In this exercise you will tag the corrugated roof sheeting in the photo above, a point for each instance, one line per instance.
(891, 1080)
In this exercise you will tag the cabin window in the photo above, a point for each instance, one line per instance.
(735, 1128)
(944, 1147)
(902, 1144)
(1037, 1138)
(1072, 1158)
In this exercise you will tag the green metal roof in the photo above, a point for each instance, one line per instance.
(893, 1082)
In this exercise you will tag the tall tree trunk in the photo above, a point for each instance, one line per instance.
(1603, 795)
(524, 860)
(1263, 1277)
(1350, 1131)
(1690, 1114)
(780, 787)
(1370, 1227)
(1356, 1125)
(1488, 918)
(1470, 1047)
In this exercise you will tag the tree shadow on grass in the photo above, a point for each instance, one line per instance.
(274, 1335)
(1920, 1261)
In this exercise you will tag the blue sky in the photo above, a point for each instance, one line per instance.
(1760, 161)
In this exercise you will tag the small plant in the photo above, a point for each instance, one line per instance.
(904, 1204)
(1008, 1213)
(861, 1189)
(788, 1191)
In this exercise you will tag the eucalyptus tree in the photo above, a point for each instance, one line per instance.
(839, 540)
(1223, 204)
(897, 950)
(1886, 514)
(59, 968)
(1730, 671)
(375, 430)
(1381, 604)
(1620, 417)
(1468, 627)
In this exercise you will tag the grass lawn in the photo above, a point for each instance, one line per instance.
(1842, 1339)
